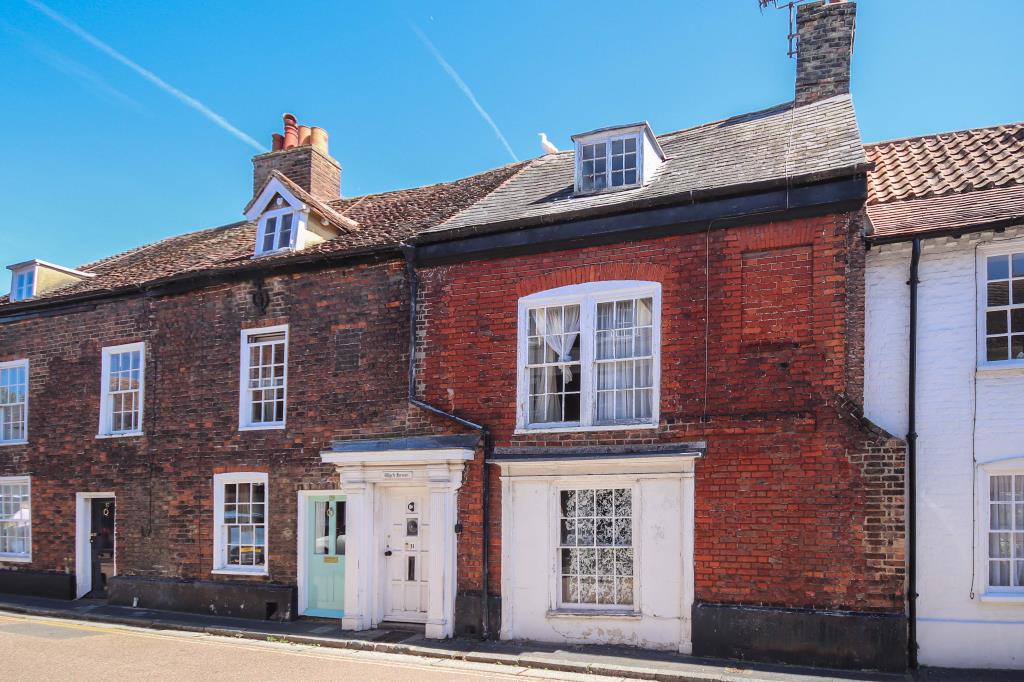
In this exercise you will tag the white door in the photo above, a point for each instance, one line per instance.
(406, 539)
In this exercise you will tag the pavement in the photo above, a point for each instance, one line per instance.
(404, 647)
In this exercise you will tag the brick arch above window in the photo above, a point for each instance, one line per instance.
(647, 272)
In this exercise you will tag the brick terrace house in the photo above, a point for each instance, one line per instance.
(947, 213)
(614, 389)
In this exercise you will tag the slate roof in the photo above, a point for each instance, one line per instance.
(770, 147)
(783, 144)
(946, 182)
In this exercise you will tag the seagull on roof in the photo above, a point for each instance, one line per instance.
(546, 144)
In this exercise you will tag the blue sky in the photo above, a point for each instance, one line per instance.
(98, 158)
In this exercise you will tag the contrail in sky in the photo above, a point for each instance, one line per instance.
(462, 86)
(187, 100)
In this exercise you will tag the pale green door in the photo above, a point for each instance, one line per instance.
(325, 556)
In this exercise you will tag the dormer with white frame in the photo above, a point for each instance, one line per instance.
(616, 158)
(34, 277)
(290, 219)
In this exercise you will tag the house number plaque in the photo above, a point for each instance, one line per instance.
(397, 475)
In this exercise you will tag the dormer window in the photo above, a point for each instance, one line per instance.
(289, 218)
(276, 231)
(615, 158)
(35, 277)
(24, 285)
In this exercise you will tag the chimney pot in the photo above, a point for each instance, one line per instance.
(303, 136)
(291, 132)
(318, 138)
(277, 142)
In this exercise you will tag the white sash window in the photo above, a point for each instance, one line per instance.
(589, 357)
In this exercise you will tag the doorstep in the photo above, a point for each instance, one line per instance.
(621, 662)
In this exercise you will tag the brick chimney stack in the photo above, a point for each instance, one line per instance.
(301, 154)
(824, 49)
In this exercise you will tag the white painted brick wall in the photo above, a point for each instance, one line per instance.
(954, 627)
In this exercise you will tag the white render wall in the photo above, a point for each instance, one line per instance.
(663, 538)
(956, 626)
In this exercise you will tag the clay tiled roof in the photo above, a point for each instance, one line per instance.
(781, 144)
(945, 182)
(382, 220)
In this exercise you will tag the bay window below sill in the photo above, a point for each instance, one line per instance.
(616, 614)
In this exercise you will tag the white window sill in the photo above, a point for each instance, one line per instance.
(239, 571)
(275, 252)
(4, 559)
(261, 427)
(1003, 598)
(1007, 369)
(126, 434)
(594, 613)
(522, 431)
(13, 442)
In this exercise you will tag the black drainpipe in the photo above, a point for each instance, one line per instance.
(915, 261)
(410, 268)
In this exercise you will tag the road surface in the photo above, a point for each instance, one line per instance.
(35, 648)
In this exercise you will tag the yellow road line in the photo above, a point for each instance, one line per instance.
(227, 642)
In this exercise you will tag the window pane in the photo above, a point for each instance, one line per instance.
(269, 234)
(285, 238)
(1001, 488)
(321, 530)
(1018, 291)
(997, 348)
(996, 322)
(1017, 347)
(998, 294)
(999, 573)
(999, 545)
(998, 267)
(1002, 516)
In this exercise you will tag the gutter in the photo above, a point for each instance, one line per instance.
(693, 196)
(999, 225)
(915, 261)
(186, 281)
(410, 266)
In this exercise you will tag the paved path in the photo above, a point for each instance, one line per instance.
(36, 648)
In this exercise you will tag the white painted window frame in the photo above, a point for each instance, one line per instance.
(220, 560)
(587, 296)
(10, 365)
(607, 141)
(555, 545)
(997, 248)
(17, 290)
(106, 412)
(20, 558)
(244, 394)
(294, 241)
(1010, 466)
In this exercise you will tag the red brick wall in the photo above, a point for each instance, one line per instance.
(347, 378)
(797, 503)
